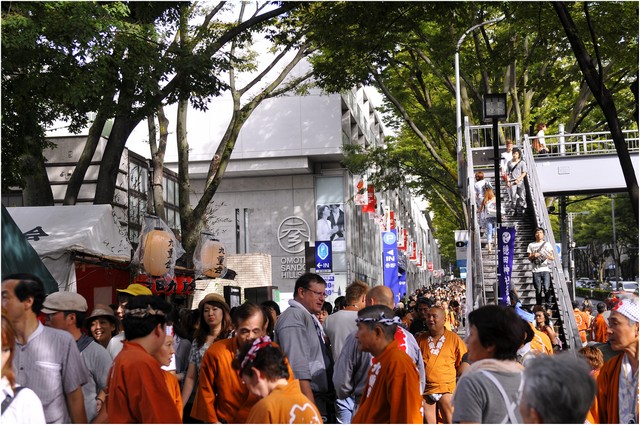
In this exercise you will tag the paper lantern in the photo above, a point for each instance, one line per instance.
(214, 258)
(158, 252)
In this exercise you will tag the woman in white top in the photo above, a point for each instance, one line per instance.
(20, 405)
(479, 187)
(542, 146)
(324, 230)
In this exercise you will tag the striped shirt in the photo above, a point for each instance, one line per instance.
(50, 365)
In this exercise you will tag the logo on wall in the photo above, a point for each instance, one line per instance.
(292, 234)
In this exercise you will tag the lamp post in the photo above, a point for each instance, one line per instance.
(615, 247)
(458, 106)
(572, 269)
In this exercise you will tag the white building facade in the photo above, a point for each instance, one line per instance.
(286, 166)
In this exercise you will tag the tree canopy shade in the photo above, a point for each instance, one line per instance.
(120, 60)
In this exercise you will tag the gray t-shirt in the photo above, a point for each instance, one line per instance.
(516, 170)
(338, 326)
(478, 400)
(98, 362)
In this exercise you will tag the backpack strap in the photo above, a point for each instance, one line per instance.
(509, 405)
(8, 399)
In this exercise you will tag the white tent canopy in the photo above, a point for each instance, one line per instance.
(58, 232)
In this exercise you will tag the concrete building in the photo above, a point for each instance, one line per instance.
(285, 166)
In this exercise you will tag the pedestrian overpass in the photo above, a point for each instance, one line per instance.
(577, 164)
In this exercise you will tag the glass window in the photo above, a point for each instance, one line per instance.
(170, 192)
(164, 188)
(134, 214)
(330, 190)
(177, 197)
(133, 171)
(171, 217)
(144, 179)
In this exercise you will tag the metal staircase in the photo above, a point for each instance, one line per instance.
(481, 279)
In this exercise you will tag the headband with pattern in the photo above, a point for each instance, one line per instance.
(257, 345)
(382, 320)
(628, 307)
(142, 312)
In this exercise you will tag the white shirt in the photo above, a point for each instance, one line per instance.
(547, 250)
(26, 408)
(540, 137)
(506, 157)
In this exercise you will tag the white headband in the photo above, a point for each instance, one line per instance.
(629, 308)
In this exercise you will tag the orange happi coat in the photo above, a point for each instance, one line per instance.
(285, 405)
(392, 394)
(441, 368)
(138, 391)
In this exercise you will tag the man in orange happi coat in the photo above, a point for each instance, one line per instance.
(583, 320)
(221, 395)
(617, 396)
(138, 392)
(442, 351)
(392, 392)
(599, 325)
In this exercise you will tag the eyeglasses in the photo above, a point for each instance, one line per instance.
(48, 316)
(320, 294)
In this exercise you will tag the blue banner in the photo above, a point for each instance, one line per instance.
(402, 285)
(506, 239)
(390, 261)
(324, 261)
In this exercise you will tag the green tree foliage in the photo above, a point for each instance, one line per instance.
(593, 234)
(406, 50)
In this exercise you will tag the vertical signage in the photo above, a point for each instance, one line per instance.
(506, 238)
(390, 261)
(462, 240)
(323, 256)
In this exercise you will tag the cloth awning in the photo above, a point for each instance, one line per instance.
(58, 233)
(18, 256)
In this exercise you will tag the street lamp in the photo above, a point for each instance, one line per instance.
(458, 106)
(615, 244)
(572, 268)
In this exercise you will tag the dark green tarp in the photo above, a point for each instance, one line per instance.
(18, 256)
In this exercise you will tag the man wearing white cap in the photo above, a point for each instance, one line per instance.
(616, 400)
(66, 311)
(124, 295)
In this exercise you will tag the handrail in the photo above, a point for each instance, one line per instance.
(475, 277)
(536, 196)
(594, 143)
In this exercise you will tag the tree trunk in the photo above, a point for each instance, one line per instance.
(189, 226)
(37, 188)
(80, 171)
(157, 161)
(110, 164)
(604, 99)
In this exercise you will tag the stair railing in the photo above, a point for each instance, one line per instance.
(476, 296)
(563, 300)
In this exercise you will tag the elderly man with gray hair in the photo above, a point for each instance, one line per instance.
(557, 390)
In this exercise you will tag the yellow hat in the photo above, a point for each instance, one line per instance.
(136, 289)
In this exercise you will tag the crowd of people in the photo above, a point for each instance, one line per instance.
(370, 359)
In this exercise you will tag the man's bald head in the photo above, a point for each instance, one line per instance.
(381, 295)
